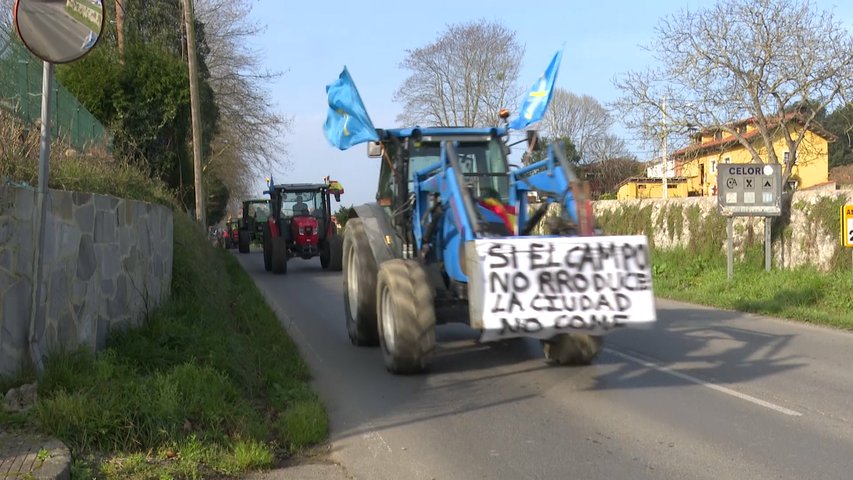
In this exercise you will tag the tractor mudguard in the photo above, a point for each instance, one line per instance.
(378, 228)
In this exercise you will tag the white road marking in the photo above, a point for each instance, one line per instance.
(712, 386)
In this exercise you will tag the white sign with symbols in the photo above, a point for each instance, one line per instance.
(540, 287)
(749, 189)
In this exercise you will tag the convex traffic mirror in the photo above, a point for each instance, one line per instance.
(59, 31)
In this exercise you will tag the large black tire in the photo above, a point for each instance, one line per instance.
(336, 253)
(324, 254)
(267, 244)
(359, 274)
(244, 238)
(279, 255)
(406, 316)
(572, 348)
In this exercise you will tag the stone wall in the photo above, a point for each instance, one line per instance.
(811, 237)
(107, 263)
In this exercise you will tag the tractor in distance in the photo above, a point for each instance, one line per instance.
(252, 221)
(451, 239)
(231, 237)
(300, 225)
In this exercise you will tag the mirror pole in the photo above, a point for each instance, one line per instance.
(41, 211)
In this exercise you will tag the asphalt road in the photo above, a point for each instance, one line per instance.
(49, 30)
(706, 394)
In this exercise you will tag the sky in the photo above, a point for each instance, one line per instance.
(310, 42)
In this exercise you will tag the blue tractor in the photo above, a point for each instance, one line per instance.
(452, 238)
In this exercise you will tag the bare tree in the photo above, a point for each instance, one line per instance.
(586, 122)
(463, 78)
(777, 63)
(249, 142)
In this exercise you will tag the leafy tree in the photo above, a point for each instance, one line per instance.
(840, 124)
(738, 60)
(142, 93)
(464, 78)
(343, 214)
(540, 150)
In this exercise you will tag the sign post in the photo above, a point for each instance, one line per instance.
(749, 190)
(847, 227)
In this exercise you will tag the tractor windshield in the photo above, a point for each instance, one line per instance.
(302, 203)
(483, 165)
(259, 211)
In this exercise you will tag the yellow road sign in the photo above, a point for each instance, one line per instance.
(847, 226)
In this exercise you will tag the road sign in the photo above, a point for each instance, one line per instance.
(847, 225)
(749, 189)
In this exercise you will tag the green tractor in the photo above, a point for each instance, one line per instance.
(251, 228)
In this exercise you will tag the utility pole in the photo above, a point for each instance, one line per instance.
(665, 159)
(195, 110)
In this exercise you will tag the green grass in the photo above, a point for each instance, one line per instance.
(803, 294)
(210, 385)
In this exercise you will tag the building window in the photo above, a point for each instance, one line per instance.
(727, 160)
(785, 157)
(713, 166)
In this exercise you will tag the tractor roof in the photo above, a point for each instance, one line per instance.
(444, 132)
(301, 187)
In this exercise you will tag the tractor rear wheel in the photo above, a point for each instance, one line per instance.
(243, 237)
(572, 348)
(406, 316)
(267, 243)
(279, 255)
(336, 253)
(359, 276)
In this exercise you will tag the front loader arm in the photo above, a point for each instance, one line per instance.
(556, 182)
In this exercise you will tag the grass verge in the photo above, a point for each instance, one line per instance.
(803, 294)
(209, 386)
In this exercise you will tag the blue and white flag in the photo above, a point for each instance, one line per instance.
(347, 122)
(536, 102)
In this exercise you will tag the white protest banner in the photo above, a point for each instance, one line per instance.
(540, 287)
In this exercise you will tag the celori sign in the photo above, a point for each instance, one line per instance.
(749, 190)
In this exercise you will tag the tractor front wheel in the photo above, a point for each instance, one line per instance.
(406, 316)
(336, 252)
(572, 348)
(324, 254)
(267, 244)
(359, 276)
(279, 255)
(243, 237)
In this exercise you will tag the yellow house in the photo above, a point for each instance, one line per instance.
(644, 187)
(711, 147)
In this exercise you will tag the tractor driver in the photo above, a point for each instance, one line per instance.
(300, 208)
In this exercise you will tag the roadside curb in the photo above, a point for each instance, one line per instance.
(33, 456)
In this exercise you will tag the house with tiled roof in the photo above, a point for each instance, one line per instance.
(711, 147)
(695, 172)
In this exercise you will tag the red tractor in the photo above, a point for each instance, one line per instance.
(300, 225)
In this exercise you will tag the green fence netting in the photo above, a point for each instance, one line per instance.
(20, 94)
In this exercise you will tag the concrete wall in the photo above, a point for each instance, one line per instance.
(811, 238)
(107, 263)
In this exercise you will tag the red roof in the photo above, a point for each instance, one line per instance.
(730, 140)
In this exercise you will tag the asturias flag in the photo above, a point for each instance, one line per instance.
(533, 108)
(347, 122)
